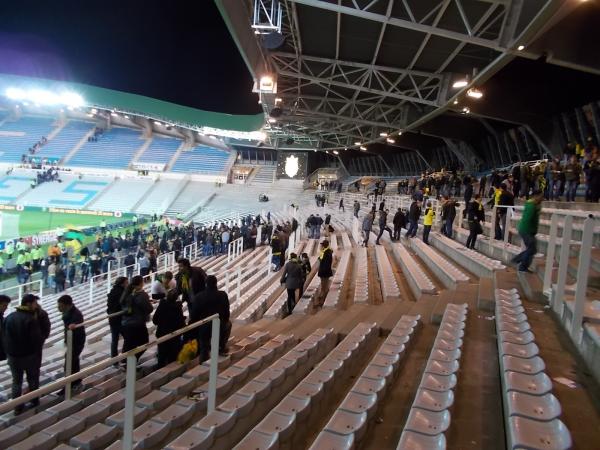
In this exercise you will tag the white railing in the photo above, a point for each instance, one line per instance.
(235, 249)
(190, 251)
(130, 377)
(20, 289)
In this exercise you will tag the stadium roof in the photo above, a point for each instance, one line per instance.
(139, 105)
(352, 71)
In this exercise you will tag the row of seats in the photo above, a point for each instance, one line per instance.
(361, 277)
(114, 149)
(429, 415)
(417, 279)
(20, 135)
(202, 159)
(160, 150)
(234, 417)
(338, 281)
(122, 195)
(531, 410)
(286, 422)
(63, 142)
(162, 194)
(389, 285)
(444, 270)
(349, 423)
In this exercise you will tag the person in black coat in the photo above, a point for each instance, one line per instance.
(399, 222)
(475, 215)
(4, 302)
(448, 215)
(168, 317)
(72, 317)
(190, 280)
(113, 305)
(137, 308)
(205, 304)
(23, 339)
(325, 270)
(413, 218)
(292, 277)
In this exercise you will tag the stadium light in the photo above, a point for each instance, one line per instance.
(521, 47)
(156, 122)
(460, 83)
(94, 111)
(363, 148)
(466, 110)
(114, 114)
(391, 140)
(475, 93)
(383, 134)
(126, 116)
(267, 84)
(357, 143)
(456, 102)
(45, 97)
(335, 152)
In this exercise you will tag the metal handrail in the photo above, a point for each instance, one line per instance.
(131, 376)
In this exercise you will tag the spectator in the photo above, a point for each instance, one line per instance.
(475, 215)
(356, 208)
(276, 251)
(162, 285)
(383, 214)
(144, 263)
(448, 215)
(572, 173)
(71, 273)
(129, 262)
(72, 317)
(292, 278)
(341, 206)
(113, 306)
(168, 317)
(23, 339)
(208, 302)
(399, 222)
(325, 270)
(306, 269)
(367, 226)
(428, 222)
(4, 302)
(59, 279)
(190, 281)
(136, 307)
(503, 199)
(413, 218)
(528, 227)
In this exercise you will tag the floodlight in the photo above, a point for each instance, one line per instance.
(466, 110)
(94, 111)
(474, 93)
(272, 120)
(71, 99)
(456, 102)
(156, 122)
(460, 84)
(520, 47)
(391, 140)
(335, 152)
(15, 93)
(114, 114)
(383, 134)
(126, 116)
(357, 143)
(267, 84)
(363, 148)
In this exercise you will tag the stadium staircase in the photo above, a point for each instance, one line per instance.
(414, 347)
(263, 176)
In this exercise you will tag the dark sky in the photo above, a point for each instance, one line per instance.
(178, 51)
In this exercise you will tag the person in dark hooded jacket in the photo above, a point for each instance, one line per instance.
(113, 305)
(168, 317)
(71, 317)
(137, 308)
(4, 302)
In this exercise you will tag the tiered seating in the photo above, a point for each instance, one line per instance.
(122, 195)
(71, 193)
(305, 303)
(160, 150)
(389, 285)
(166, 191)
(302, 404)
(17, 137)
(114, 149)
(418, 280)
(264, 175)
(62, 143)
(12, 186)
(531, 411)
(202, 159)
(338, 281)
(444, 270)
(429, 415)
(361, 278)
(349, 422)
(194, 194)
(235, 416)
(346, 240)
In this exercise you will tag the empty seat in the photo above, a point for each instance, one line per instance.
(344, 423)
(359, 403)
(219, 421)
(439, 383)
(256, 440)
(524, 365)
(532, 434)
(523, 338)
(427, 422)
(294, 406)
(327, 440)
(522, 351)
(277, 424)
(441, 367)
(433, 400)
(417, 441)
(193, 439)
(538, 407)
(96, 437)
(538, 384)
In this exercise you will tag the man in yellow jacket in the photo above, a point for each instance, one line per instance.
(428, 222)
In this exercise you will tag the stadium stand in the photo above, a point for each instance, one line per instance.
(160, 151)
(122, 195)
(68, 136)
(201, 159)
(162, 193)
(114, 149)
(71, 192)
(16, 137)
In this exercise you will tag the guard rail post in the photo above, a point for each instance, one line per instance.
(69, 363)
(550, 252)
(563, 265)
(583, 269)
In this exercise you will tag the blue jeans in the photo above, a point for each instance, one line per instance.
(412, 229)
(526, 256)
(448, 229)
(571, 190)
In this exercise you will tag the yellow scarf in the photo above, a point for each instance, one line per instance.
(322, 254)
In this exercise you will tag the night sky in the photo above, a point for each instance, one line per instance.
(178, 51)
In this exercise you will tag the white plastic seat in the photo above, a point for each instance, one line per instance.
(96, 437)
(287, 365)
(256, 440)
(151, 433)
(386, 360)
(255, 389)
(193, 439)
(510, 318)
(433, 400)
(180, 386)
(511, 310)
(538, 384)
(532, 434)
(279, 424)
(368, 386)
(345, 422)
(314, 392)
(445, 355)
(450, 335)
(427, 422)
(391, 350)
(272, 376)
(177, 415)
(529, 366)
(439, 383)
(359, 403)
(237, 373)
(446, 344)
(318, 376)
(118, 419)
(327, 440)
(513, 327)
(378, 372)
(220, 421)
(397, 340)
(442, 367)
(517, 338)
(156, 400)
(417, 441)
(538, 407)
(242, 404)
(522, 351)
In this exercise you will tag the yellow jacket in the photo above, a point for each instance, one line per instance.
(429, 215)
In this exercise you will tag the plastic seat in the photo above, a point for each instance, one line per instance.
(378, 372)
(532, 434)
(441, 367)
(251, 365)
(513, 327)
(523, 338)
(530, 365)
(318, 376)
(219, 421)
(544, 407)
(509, 303)
(332, 365)
(358, 403)
(381, 359)
(180, 386)
(344, 422)
(65, 408)
(298, 355)
(397, 340)
(256, 440)
(510, 310)
(311, 391)
(427, 422)
(510, 318)
(151, 433)
(272, 376)
(199, 373)
(237, 373)
(522, 351)
(243, 405)
(265, 354)
(538, 384)
(287, 365)
(417, 441)
(193, 439)
(439, 383)
(450, 335)
(445, 355)
(92, 414)
(433, 400)
(369, 386)
(38, 422)
(38, 441)
(293, 406)
(156, 400)
(279, 424)
(446, 344)
(177, 415)
(255, 389)
(118, 419)
(96, 437)
(61, 430)
(327, 440)
(391, 350)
